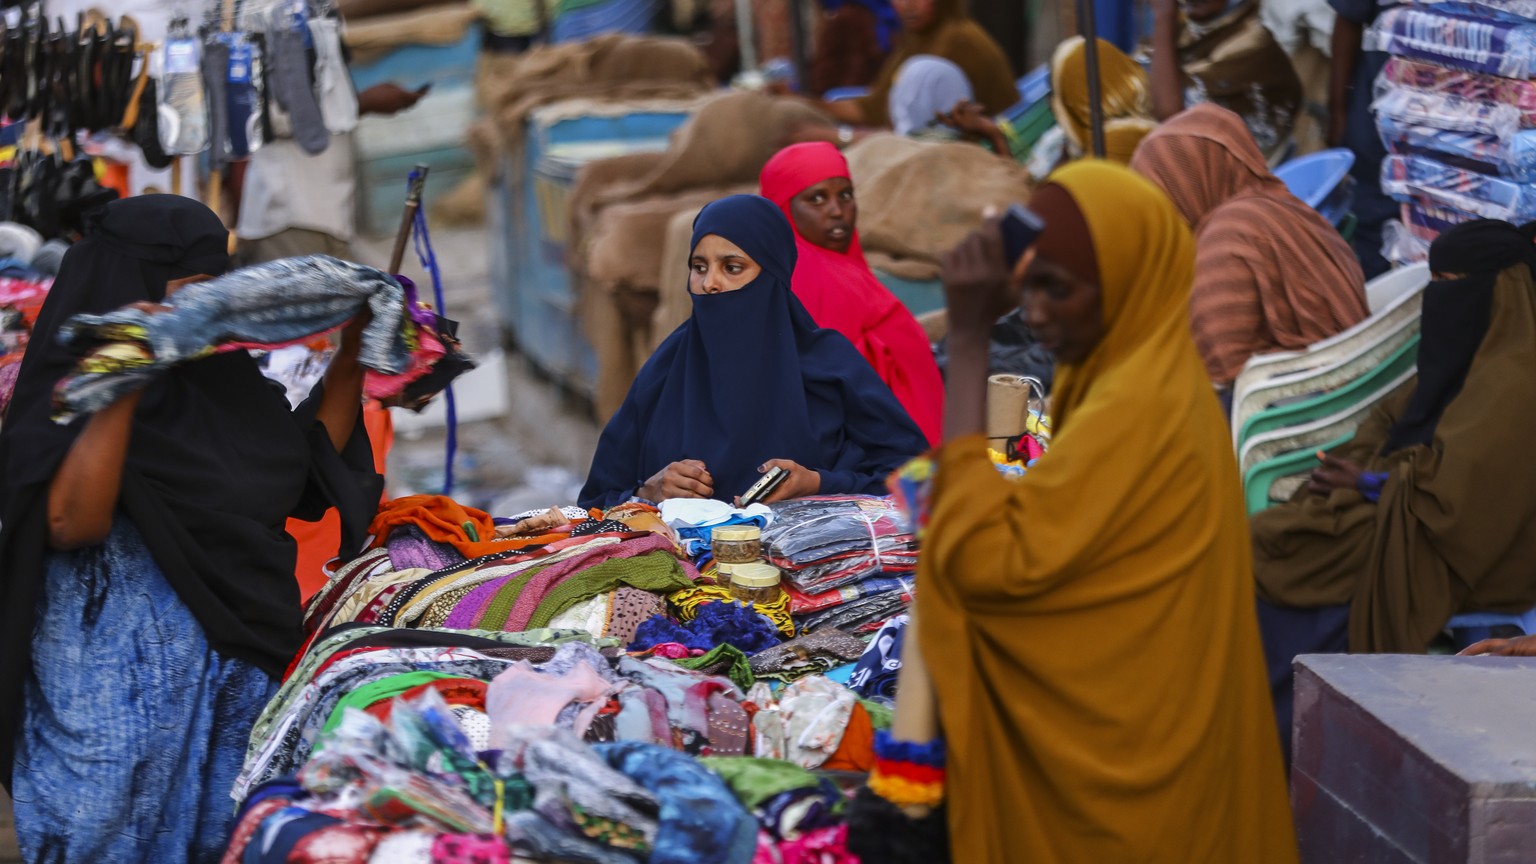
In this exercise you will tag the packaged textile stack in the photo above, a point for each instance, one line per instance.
(848, 561)
(1456, 107)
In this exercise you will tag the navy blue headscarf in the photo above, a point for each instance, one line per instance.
(749, 377)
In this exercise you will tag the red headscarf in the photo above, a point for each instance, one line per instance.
(842, 294)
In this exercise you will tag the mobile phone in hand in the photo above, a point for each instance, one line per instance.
(1021, 228)
(773, 479)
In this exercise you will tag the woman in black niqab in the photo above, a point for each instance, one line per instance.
(132, 667)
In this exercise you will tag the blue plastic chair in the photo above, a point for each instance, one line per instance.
(1036, 85)
(1321, 180)
(1472, 627)
(843, 94)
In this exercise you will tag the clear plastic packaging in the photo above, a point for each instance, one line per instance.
(1399, 245)
(1514, 11)
(1410, 178)
(1513, 158)
(1461, 41)
(1445, 111)
(183, 103)
(1430, 78)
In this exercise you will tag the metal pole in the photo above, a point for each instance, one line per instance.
(1090, 33)
(798, 44)
(745, 35)
(408, 218)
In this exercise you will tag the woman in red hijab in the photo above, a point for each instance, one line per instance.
(810, 183)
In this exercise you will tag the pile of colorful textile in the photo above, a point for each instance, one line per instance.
(1456, 107)
(21, 299)
(404, 745)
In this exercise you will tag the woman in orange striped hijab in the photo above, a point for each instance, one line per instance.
(1270, 273)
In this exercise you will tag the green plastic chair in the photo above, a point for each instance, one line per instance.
(1316, 406)
(1259, 481)
(1309, 436)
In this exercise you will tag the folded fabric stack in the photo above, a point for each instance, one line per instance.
(847, 560)
(438, 564)
(1456, 108)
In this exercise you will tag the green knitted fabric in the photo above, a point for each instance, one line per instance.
(658, 572)
(495, 615)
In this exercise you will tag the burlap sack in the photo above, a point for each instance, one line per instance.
(918, 199)
(371, 38)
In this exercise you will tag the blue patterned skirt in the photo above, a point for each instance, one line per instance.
(133, 729)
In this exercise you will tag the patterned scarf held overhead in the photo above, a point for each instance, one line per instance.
(266, 306)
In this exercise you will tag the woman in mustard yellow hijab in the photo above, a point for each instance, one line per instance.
(1125, 95)
(1102, 692)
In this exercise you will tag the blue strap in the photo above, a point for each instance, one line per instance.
(422, 239)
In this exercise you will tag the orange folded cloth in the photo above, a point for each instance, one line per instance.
(857, 752)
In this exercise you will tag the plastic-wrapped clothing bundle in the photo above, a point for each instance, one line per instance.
(1514, 11)
(1420, 179)
(266, 306)
(1429, 78)
(1513, 157)
(1453, 113)
(1460, 41)
(806, 530)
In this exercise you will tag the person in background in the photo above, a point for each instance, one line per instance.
(749, 383)
(1126, 100)
(942, 29)
(1150, 740)
(146, 584)
(853, 38)
(293, 203)
(1270, 273)
(513, 26)
(1426, 511)
(1523, 646)
(1350, 124)
(1218, 51)
(810, 183)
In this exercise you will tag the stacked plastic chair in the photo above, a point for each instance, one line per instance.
(1286, 407)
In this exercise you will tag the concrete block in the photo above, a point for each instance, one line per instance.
(1415, 759)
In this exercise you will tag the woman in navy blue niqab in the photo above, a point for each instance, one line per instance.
(749, 379)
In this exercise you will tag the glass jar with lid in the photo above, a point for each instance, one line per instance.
(755, 583)
(737, 544)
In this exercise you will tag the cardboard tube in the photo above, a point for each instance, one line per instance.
(1007, 405)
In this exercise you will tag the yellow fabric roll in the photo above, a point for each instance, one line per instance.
(687, 604)
(1100, 680)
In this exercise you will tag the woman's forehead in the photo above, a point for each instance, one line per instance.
(715, 246)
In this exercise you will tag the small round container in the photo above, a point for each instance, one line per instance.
(755, 583)
(737, 544)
